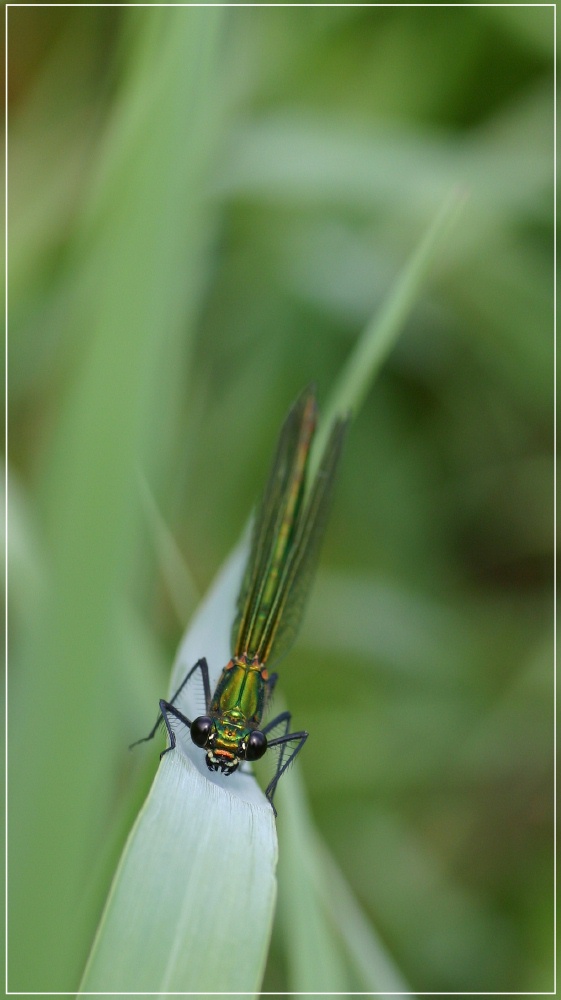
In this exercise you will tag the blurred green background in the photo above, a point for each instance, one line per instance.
(206, 207)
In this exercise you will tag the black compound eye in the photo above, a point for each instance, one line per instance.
(200, 729)
(256, 745)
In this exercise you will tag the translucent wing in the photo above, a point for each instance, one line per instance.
(275, 525)
(285, 614)
(287, 535)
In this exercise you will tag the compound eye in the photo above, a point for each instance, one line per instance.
(256, 745)
(200, 729)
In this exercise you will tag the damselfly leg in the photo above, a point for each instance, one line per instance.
(168, 707)
(286, 754)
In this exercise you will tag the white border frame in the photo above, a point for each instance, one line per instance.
(316, 5)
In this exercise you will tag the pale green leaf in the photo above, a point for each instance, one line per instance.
(197, 876)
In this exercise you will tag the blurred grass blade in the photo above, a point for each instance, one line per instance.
(192, 902)
(315, 961)
(144, 242)
(317, 943)
(380, 335)
(331, 946)
(368, 957)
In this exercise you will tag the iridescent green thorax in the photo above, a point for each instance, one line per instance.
(241, 689)
(236, 710)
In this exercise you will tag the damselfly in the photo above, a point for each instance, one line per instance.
(287, 532)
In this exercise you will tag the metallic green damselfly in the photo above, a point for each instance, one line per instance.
(288, 529)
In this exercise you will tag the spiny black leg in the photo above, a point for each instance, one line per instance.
(201, 665)
(151, 734)
(282, 764)
(284, 717)
(166, 708)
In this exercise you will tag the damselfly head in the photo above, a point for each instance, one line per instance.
(226, 743)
